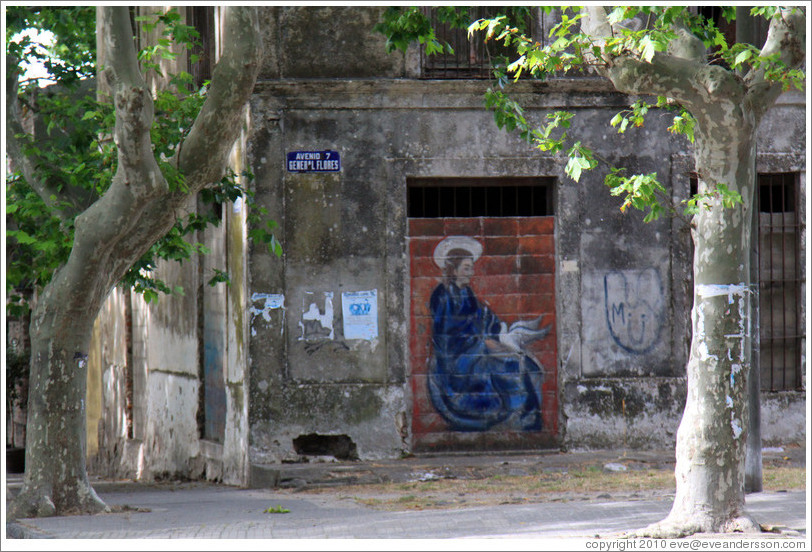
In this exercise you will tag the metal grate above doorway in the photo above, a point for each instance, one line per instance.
(491, 197)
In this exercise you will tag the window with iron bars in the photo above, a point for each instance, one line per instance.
(780, 282)
(744, 28)
(472, 56)
(780, 277)
(480, 197)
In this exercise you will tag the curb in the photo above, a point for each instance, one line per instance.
(15, 530)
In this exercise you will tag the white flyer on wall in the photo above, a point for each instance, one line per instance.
(360, 310)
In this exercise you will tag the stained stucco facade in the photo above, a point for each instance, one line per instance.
(324, 352)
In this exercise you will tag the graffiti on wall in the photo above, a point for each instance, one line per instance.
(480, 373)
(634, 305)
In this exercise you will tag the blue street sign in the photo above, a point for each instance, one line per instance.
(314, 161)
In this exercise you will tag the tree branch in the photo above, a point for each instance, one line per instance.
(787, 38)
(204, 155)
(687, 45)
(27, 163)
(132, 101)
(139, 207)
(682, 74)
(138, 184)
(596, 24)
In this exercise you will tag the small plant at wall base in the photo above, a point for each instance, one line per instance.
(275, 510)
(719, 92)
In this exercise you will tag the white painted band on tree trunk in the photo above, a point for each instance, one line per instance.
(713, 290)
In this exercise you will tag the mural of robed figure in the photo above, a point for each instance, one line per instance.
(480, 373)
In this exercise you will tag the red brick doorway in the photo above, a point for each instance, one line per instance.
(468, 397)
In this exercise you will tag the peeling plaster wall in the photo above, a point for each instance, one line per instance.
(235, 444)
(106, 397)
(161, 350)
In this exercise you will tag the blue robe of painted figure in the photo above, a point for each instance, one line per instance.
(472, 387)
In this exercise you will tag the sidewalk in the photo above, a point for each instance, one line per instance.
(209, 511)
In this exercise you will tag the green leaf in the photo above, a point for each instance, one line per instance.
(616, 15)
(493, 25)
(647, 48)
(275, 246)
(220, 276)
(575, 166)
(742, 57)
(22, 237)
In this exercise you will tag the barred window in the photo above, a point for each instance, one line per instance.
(780, 279)
(480, 197)
(472, 56)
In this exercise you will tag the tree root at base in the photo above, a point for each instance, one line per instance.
(39, 503)
(675, 527)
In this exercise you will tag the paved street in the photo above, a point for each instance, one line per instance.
(201, 511)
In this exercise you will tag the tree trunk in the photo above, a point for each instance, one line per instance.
(727, 107)
(711, 440)
(56, 480)
(110, 236)
(55, 470)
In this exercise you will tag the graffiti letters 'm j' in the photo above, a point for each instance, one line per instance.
(634, 308)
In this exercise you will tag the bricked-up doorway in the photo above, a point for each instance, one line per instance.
(482, 260)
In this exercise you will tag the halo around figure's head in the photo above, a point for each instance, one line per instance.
(456, 242)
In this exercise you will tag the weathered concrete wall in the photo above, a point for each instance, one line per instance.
(328, 42)
(624, 288)
(171, 435)
(106, 382)
(348, 231)
(234, 456)
(783, 418)
(307, 377)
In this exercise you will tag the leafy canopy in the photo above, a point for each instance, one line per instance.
(567, 50)
(77, 157)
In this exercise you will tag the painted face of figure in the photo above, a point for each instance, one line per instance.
(464, 272)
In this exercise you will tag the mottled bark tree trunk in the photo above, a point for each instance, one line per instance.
(55, 470)
(711, 440)
(712, 435)
(110, 235)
